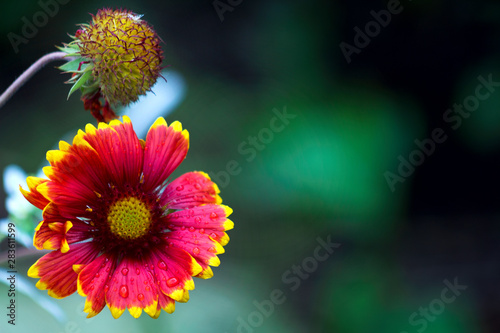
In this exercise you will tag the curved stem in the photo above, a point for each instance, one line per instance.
(7, 94)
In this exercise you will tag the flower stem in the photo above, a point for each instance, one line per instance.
(11, 90)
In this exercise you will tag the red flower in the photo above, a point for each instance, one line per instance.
(121, 236)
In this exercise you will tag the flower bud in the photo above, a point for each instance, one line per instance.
(117, 58)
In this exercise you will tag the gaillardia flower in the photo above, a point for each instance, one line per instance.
(118, 58)
(122, 235)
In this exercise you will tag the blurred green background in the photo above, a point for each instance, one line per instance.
(318, 176)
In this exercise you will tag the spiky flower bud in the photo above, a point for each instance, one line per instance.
(117, 57)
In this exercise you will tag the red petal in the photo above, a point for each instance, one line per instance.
(56, 232)
(199, 245)
(75, 177)
(166, 303)
(91, 167)
(172, 269)
(55, 269)
(132, 287)
(33, 196)
(200, 232)
(190, 190)
(208, 217)
(119, 150)
(54, 235)
(93, 281)
(166, 147)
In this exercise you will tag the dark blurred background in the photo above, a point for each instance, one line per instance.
(345, 167)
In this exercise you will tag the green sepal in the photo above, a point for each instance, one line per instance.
(72, 49)
(72, 66)
(69, 48)
(80, 82)
(90, 90)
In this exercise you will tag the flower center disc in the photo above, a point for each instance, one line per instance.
(129, 218)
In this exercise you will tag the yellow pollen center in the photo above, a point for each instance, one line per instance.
(129, 218)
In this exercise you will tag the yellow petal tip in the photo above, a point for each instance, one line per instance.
(214, 261)
(135, 311)
(33, 271)
(116, 312)
(177, 295)
(228, 224)
(176, 126)
(159, 122)
(207, 273)
(227, 210)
